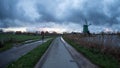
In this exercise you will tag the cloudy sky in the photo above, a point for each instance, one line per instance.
(60, 15)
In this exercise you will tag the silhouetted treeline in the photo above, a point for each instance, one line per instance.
(31, 33)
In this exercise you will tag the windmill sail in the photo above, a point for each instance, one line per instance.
(86, 22)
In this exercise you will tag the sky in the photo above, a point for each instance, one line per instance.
(60, 15)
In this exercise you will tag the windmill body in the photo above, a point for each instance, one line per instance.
(85, 28)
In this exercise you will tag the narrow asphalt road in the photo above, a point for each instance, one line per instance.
(16, 52)
(59, 57)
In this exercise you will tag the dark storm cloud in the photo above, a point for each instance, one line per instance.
(97, 12)
(59, 11)
(7, 9)
(45, 15)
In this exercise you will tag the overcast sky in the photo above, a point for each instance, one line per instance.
(60, 15)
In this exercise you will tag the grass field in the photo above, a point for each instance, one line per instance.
(30, 59)
(10, 39)
(18, 38)
(93, 54)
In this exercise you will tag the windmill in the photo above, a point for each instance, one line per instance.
(85, 28)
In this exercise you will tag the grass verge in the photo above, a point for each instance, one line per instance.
(11, 39)
(103, 61)
(7, 46)
(30, 59)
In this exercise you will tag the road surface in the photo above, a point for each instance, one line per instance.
(59, 57)
(16, 52)
(62, 55)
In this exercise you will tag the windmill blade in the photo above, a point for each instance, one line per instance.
(86, 22)
(89, 24)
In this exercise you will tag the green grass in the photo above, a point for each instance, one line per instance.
(18, 37)
(102, 60)
(10, 39)
(30, 59)
(7, 46)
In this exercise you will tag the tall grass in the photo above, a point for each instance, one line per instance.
(106, 44)
(95, 56)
